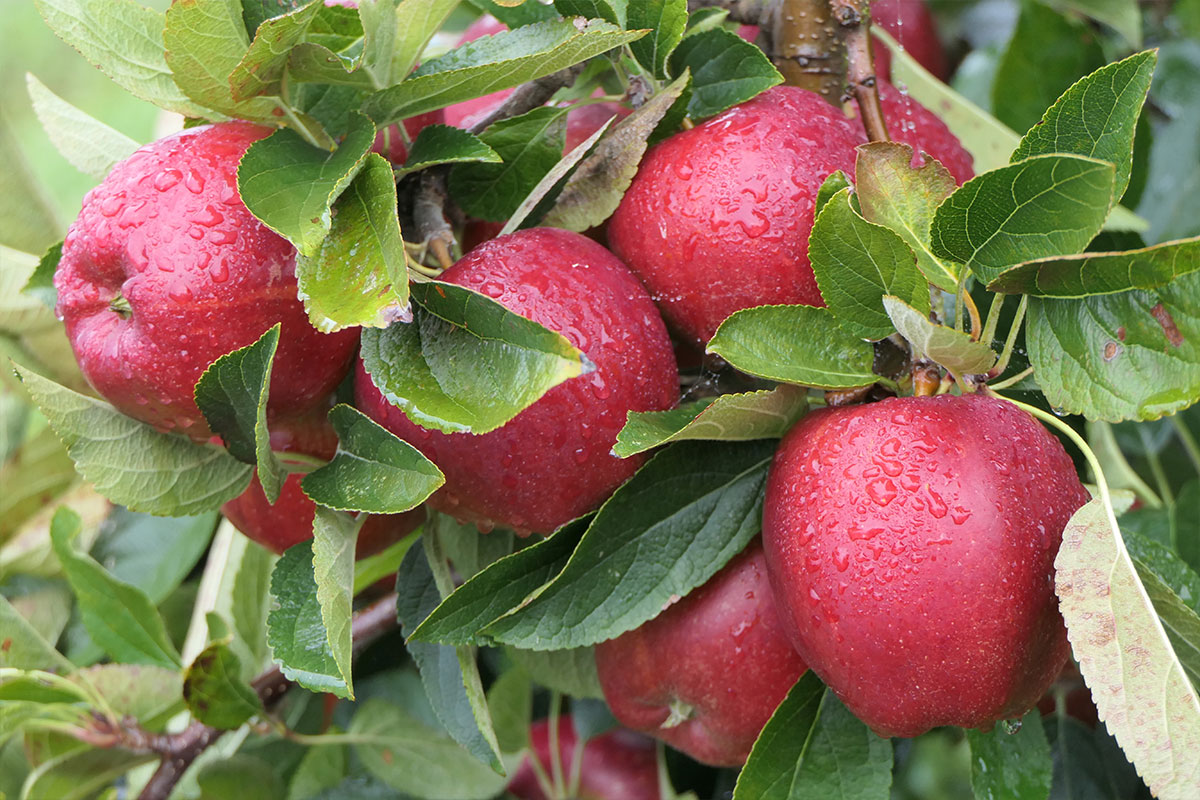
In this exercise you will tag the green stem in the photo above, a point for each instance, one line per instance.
(993, 318)
(1156, 468)
(555, 746)
(959, 291)
(1014, 380)
(1011, 341)
(1187, 440)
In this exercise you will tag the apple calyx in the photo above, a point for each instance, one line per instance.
(120, 305)
(680, 712)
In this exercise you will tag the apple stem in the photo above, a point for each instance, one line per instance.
(927, 379)
(855, 22)
(429, 215)
(1010, 343)
(993, 318)
(973, 312)
(680, 712)
(1187, 440)
(555, 744)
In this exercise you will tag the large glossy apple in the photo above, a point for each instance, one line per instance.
(165, 270)
(553, 461)
(911, 547)
(618, 765)
(912, 25)
(706, 674)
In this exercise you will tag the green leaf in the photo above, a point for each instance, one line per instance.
(1137, 682)
(1011, 766)
(124, 40)
(315, 63)
(291, 185)
(856, 263)
(384, 564)
(215, 692)
(151, 695)
(417, 22)
(904, 198)
(1149, 556)
(613, 11)
(951, 348)
(813, 747)
(358, 275)
(28, 219)
(834, 182)
(256, 12)
(516, 15)
(334, 538)
(449, 674)
(1049, 205)
(320, 769)
(373, 471)
(510, 702)
(1133, 355)
(379, 40)
(26, 648)
(695, 506)
(725, 68)
(502, 61)
(1123, 16)
(595, 189)
(467, 550)
(765, 414)
(41, 281)
(91, 146)
(80, 774)
(466, 363)
(154, 554)
(571, 672)
(666, 19)
(1102, 273)
(131, 463)
(1180, 621)
(1097, 117)
(794, 344)
(530, 146)
(119, 617)
(232, 394)
(262, 66)
(444, 144)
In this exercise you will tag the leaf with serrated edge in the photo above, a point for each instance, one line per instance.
(1096, 117)
(334, 538)
(666, 19)
(379, 40)
(834, 182)
(91, 146)
(261, 67)
(951, 348)
(594, 190)
(1181, 623)
(726, 70)
(765, 414)
(131, 463)
(856, 263)
(794, 344)
(507, 59)
(1011, 765)
(373, 471)
(26, 649)
(1137, 682)
(1101, 273)
(444, 144)
(296, 630)
(214, 690)
(899, 196)
(417, 22)
(358, 277)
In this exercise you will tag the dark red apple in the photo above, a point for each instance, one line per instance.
(912, 25)
(618, 765)
(706, 674)
(913, 124)
(552, 462)
(911, 547)
(165, 270)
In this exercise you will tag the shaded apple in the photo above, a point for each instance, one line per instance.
(618, 765)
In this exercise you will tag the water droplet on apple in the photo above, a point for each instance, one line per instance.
(194, 182)
(219, 272)
(166, 179)
(882, 491)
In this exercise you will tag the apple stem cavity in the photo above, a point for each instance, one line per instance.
(680, 712)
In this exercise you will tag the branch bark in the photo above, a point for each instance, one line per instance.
(805, 46)
(854, 20)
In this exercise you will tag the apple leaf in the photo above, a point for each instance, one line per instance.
(416, 21)
(613, 11)
(449, 674)
(1123, 16)
(695, 506)
(467, 550)
(28, 219)
(466, 363)
(666, 20)
(1132, 355)
(91, 146)
(765, 414)
(1101, 273)
(1150, 556)
(232, 394)
(379, 40)
(416, 760)
(215, 692)
(444, 144)
(725, 68)
(290, 185)
(510, 703)
(515, 14)
(256, 12)
(358, 276)
(507, 59)
(262, 66)
(119, 617)
(131, 463)
(856, 263)
(595, 189)
(335, 536)
(27, 649)
(951, 348)
(571, 671)
(1179, 620)
(315, 63)
(813, 747)
(794, 344)
(904, 198)
(78, 774)
(529, 145)
(149, 694)
(241, 570)
(155, 554)
(498, 589)
(373, 471)
(1049, 205)
(1008, 765)
(382, 565)
(1137, 682)
(1096, 117)
(834, 182)
(124, 40)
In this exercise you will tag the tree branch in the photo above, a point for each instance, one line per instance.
(805, 46)
(855, 23)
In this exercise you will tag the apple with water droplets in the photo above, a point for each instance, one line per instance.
(911, 545)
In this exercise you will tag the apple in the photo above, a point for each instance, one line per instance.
(706, 674)
(910, 545)
(165, 270)
(913, 124)
(912, 25)
(553, 461)
(617, 765)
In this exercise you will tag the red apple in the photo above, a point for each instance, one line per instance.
(912, 25)
(618, 765)
(706, 674)
(165, 270)
(913, 124)
(552, 462)
(468, 112)
(911, 547)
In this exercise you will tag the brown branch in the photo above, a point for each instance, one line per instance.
(529, 96)
(855, 23)
(804, 45)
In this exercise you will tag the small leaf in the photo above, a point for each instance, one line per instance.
(232, 394)
(1181, 622)
(334, 538)
(91, 146)
(131, 463)
(28, 219)
(613, 11)
(510, 702)
(418, 22)
(794, 344)
(725, 68)
(26, 648)
(379, 40)
(1102, 273)
(834, 182)
(443, 144)
(1123, 16)
(951, 348)
(262, 65)
(1008, 765)
(571, 671)
(215, 692)
(765, 414)
(666, 20)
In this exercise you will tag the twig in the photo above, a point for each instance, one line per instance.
(804, 45)
(529, 96)
(855, 24)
